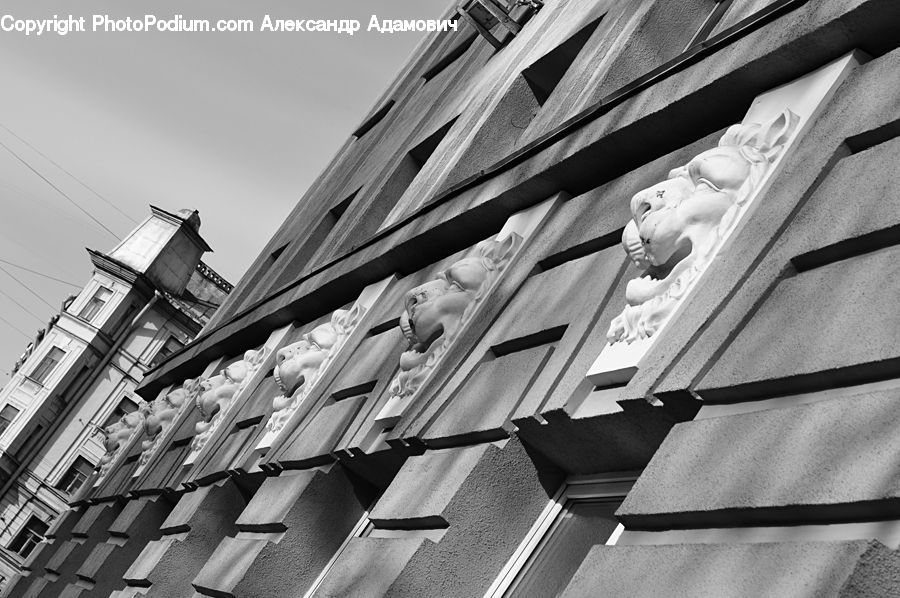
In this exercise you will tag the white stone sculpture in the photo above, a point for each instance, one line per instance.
(162, 413)
(300, 364)
(116, 436)
(679, 225)
(217, 393)
(437, 310)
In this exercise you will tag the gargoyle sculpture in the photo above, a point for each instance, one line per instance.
(116, 436)
(162, 413)
(679, 225)
(300, 364)
(437, 310)
(217, 392)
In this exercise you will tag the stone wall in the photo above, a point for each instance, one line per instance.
(429, 411)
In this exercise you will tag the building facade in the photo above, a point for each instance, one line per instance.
(146, 299)
(599, 299)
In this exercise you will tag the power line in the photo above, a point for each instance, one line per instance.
(75, 178)
(31, 252)
(28, 311)
(16, 328)
(71, 284)
(26, 287)
(58, 190)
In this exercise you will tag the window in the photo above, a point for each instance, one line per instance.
(77, 474)
(312, 242)
(29, 537)
(95, 304)
(359, 530)
(450, 57)
(545, 73)
(47, 365)
(124, 407)
(483, 15)
(276, 254)
(709, 24)
(580, 516)
(7, 415)
(171, 345)
(373, 120)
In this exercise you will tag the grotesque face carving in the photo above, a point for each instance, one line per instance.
(121, 430)
(678, 225)
(437, 310)
(298, 363)
(117, 434)
(217, 392)
(301, 364)
(163, 410)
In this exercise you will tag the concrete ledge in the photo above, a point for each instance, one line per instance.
(426, 484)
(820, 569)
(227, 566)
(269, 507)
(823, 461)
(842, 319)
(630, 436)
(368, 567)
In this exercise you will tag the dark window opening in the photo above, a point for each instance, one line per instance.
(709, 24)
(338, 210)
(545, 74)
(75, 476)
(505, 128)
(511, 15)
(450, 57)
(95, 304)
(276, 254)
(395, 186)
(29, 536)
(171, 345)
(313, 241)
(373, 120)
(7, 415)
(124, 407)
(47, 365)
(426, 147)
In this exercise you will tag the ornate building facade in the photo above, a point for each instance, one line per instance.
(146, 299)
(598, 300)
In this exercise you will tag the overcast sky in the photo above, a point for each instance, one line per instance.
(236, 125)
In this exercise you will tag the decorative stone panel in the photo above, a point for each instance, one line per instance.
(822, 569)
(814, 462)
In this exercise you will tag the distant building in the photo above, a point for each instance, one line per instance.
(146, 299)
(599, 299)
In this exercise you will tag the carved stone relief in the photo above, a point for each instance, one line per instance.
(116, 437)
(162, 412)
(679, 224)
(216, 393)
(437, 310)
(300, 364)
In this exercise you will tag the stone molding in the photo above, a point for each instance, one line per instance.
(679, 225)
(117, 436)
(163, 411)
(301, 364)
(218, 392)
(436, 311)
